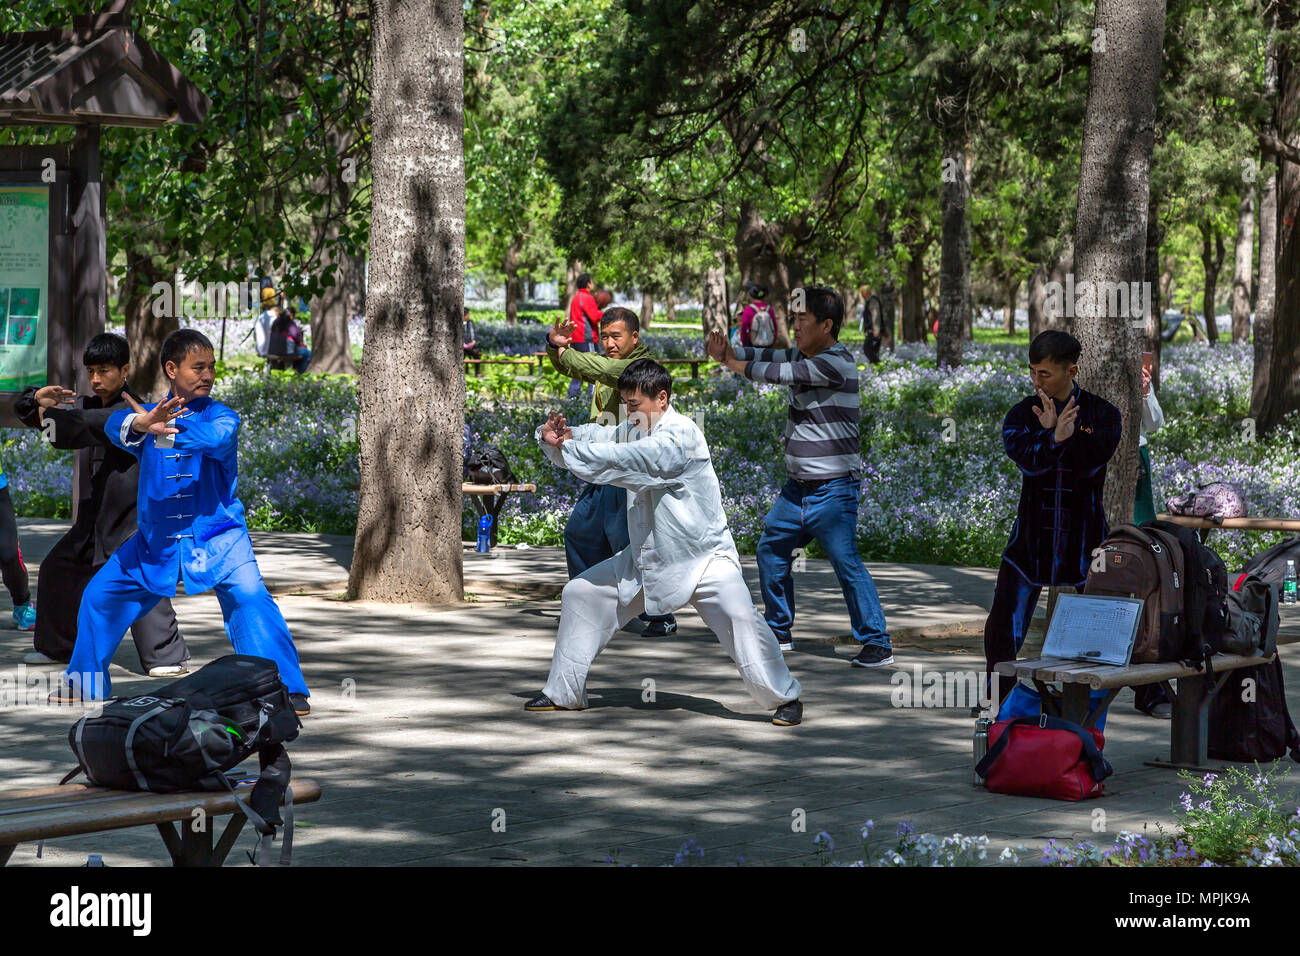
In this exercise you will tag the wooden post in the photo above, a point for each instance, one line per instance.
(89, 248)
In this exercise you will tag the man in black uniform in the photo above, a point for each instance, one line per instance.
(104, 516)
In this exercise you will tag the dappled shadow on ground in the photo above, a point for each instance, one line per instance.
(426, 756)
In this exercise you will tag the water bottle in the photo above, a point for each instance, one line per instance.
(484, 534)
(1288, 583)
(982, 726)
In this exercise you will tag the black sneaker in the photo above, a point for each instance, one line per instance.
(789, 714)
(1161, 711)
(542, 702)
(660, 628)
(300, 705)
(873, 655)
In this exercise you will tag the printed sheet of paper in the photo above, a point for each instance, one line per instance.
(1090, 627)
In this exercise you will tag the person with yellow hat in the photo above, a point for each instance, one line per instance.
(262, 324)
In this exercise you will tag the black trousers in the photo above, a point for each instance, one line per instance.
(63, 577)
(12, 568)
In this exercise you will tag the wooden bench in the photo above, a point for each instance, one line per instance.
(1204, 525)
(496, 495)
(27, 816)
(1189, 728)
(478, 364)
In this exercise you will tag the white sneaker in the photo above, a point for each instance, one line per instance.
(168, 670)
(36, 657)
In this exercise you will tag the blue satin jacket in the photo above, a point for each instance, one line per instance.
(1060, 519)
(191, 525)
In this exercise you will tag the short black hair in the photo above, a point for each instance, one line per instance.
(620, 314)
(755, 290)
(181, 343)
(647, 377)
(824, 303)
(583, 280)
(107, 348)
(1061, 347)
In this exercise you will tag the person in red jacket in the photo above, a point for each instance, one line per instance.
(585, 316)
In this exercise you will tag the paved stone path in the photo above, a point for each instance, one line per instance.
(420, 742)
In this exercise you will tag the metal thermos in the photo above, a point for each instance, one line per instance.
(484, 534)
(982, 726)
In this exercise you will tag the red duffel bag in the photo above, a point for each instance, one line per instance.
(1044, 757)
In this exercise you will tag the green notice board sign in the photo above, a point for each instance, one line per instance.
(24, 285)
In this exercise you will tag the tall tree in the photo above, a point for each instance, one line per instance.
(1283, 394)
(1111, 226)
(1242, 265)
(412, 393)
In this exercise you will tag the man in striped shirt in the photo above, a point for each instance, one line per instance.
(823, 467)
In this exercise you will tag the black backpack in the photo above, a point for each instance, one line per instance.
(186, 735)
(1259, 729)
(488, 466)
(1270, 565)
(1253, 618)
(1205, 595)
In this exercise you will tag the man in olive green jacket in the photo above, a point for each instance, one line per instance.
(597, 526)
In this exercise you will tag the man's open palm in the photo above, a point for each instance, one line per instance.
(158, 419)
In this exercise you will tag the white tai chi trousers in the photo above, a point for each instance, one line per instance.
(590, 614)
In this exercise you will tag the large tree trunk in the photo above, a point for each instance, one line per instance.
(1265, 299)
(1282, 394)
(412, 393)
(1010, 288)
(331, 346)
(510, 265)
(913, 319)
(954, 257)
(1059, 313)
(759, 259)
(571, 281)
(647, 309)
(1151, 340)
(145, 327)
(1243, 265)
(888, 291)
(670, 308)
(1212, 261)
(1266, 293)
(714, 314)
(1111, 227)
(1037, 301)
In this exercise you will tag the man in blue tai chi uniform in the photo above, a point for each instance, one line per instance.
(191, 526)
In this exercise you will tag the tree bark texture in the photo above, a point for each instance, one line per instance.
(760, 259)
(1243, 263)
(715, 315)
(1111, 226)
(1212, 253)
(412, 392)
(954, 256)
(145, 331)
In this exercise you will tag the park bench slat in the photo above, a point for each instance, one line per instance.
(81, 810)
(470, 489)
(1234, 524)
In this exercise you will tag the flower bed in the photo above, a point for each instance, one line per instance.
(937, 485)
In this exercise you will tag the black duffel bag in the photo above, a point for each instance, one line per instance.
(187, 734)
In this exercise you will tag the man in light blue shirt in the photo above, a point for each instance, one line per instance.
(191, 526)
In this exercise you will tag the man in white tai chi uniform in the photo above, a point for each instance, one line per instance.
(681, 551)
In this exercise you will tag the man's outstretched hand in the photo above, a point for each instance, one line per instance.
(561, 334)
(719, 347)
(52, 395)
(556, 431)
(158, 419)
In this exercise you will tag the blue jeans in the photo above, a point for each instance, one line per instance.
(830, 516)
(597, 530)
(304, 359)
(575, 386)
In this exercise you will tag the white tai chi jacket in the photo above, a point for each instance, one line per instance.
(675, 520)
